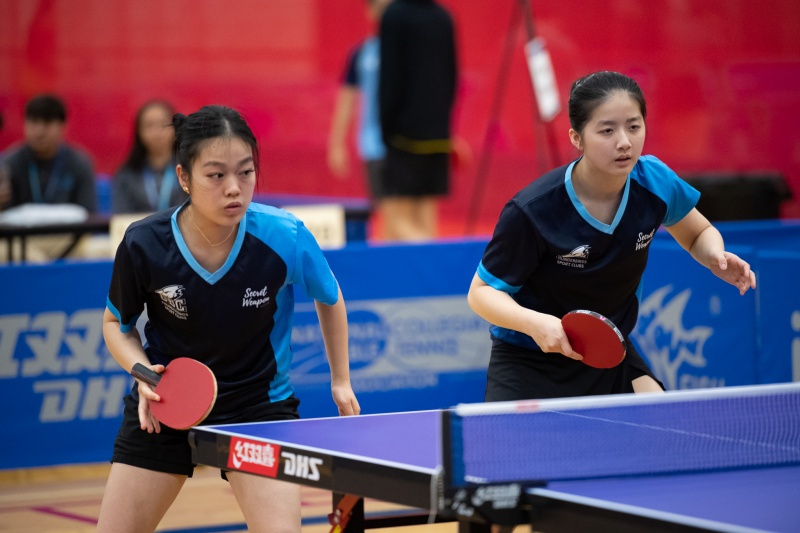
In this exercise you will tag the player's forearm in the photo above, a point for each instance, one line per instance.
(498, 307)
(708, 246)
(333, 323)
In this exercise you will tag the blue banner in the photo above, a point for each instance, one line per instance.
(414, 342)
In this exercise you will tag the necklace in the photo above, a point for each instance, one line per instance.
(206, 238)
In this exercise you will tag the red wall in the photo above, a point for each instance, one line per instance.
(722, 79)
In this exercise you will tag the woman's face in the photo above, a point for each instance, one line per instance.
(222, 180)
(613, 138)
(155, 129)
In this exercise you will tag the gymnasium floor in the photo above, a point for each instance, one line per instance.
(67, 499)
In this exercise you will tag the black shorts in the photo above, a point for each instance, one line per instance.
(169, 451)
(517, 373)
(414, 174)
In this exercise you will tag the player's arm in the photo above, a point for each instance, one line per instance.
(333, 322)
(343, 112)
(126, 349)
(704, 242)
(499, 308)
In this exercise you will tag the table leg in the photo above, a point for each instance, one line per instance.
(348, 514)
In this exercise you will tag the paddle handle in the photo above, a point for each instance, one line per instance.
(139, 371)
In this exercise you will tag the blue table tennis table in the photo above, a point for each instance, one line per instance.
(717, 460)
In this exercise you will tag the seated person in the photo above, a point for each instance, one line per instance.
(146, 181)
(45, 169)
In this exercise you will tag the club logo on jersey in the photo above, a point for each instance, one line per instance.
(644, 239)
(173, 300)
(255, 457)
(255, 297)
(577, 258)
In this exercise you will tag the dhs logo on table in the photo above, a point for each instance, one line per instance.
(266, 459)
(302, 466)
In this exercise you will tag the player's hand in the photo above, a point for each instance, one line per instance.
(345, 398)
(338, 161)
(549, 335)
(147, 421)
(734, 270)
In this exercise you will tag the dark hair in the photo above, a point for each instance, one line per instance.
(590, 91)
(207, 123)
(138, 155)
(46, 107)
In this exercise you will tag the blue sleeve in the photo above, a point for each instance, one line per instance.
(662, 181)
(312, 270)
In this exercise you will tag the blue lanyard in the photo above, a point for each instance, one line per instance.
(39, 196)
(159, 199)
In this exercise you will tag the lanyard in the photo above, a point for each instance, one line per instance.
(158, 197)
(39, 196)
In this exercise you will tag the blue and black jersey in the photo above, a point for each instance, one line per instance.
(552, 256)
(362, 72)
(237, 320)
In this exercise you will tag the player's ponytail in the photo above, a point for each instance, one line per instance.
(178, 121)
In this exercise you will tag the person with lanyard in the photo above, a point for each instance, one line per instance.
(46, 170)
(216, 276)
(146, 182)
(578, 238)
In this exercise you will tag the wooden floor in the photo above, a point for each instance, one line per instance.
(67, 499)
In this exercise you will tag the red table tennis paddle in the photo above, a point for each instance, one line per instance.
(595, 337)
(188, 390)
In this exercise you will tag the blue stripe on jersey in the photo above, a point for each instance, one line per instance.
(281, 387)
(306, 266)
(210, 277)
(662, 181)
(124, 328)
(599, 226)
(495, 282)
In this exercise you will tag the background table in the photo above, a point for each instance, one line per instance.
(12, 232)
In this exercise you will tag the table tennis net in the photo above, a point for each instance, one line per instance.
(625, 435)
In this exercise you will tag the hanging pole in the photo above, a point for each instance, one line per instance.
(545, 96)
(543, 80)
(493, 127)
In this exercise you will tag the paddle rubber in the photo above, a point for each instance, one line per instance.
(595, 337)
(188, 390)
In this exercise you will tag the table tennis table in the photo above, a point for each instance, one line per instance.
(724, 459)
